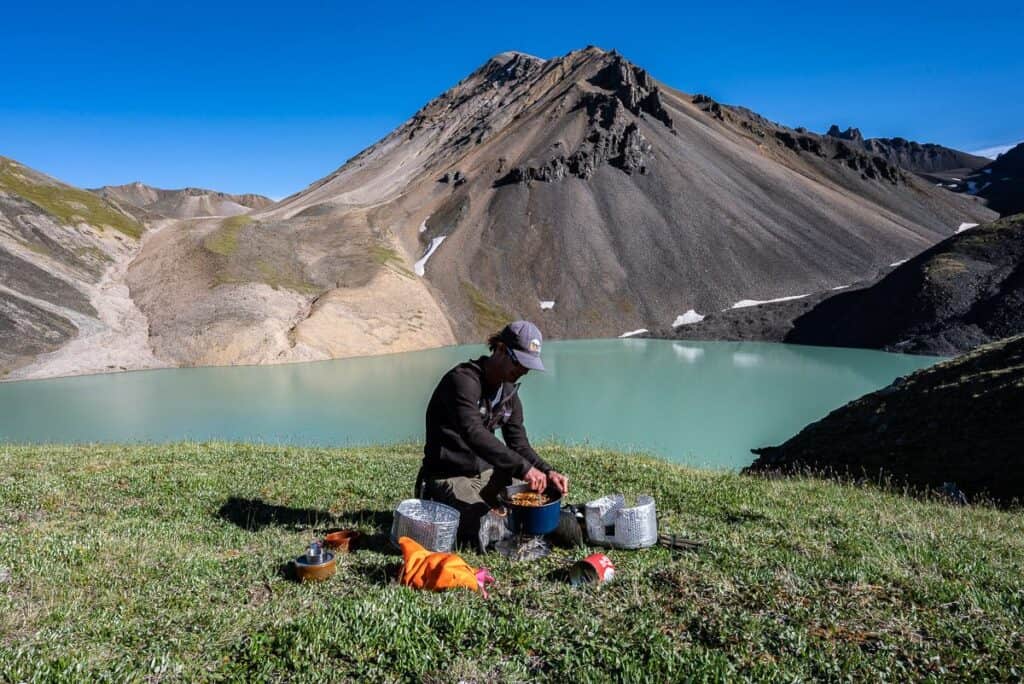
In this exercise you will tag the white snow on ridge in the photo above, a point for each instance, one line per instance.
(743, 303)
(899, 263)
(423, 226)
(965, 226)
(547, 304)
(687, 318)
(434, 244)
(633, 332)
(840, 287)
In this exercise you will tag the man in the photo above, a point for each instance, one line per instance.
(464, 464)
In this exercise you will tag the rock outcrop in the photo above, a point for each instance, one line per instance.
(958, 422)
(909, 155)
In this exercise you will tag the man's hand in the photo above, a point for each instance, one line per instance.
(560, 481)
(537, 480)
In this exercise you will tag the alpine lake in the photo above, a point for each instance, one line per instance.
(704, 404)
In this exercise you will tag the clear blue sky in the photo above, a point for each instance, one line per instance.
(270, 97)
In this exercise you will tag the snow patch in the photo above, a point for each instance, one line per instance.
(423, 226)
(743, 303)
(965, 226)
(899, 263)
(434, 244)
(687, 318)
(633, 332)
(550, 304)
(840, 287)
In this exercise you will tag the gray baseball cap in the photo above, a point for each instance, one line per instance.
(523, 338)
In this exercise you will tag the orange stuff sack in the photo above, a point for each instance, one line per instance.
(437, 571)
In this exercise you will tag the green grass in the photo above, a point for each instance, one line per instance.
(67, 204)
(126, 565)
(387, 256)
(223, 239)
(489, 316)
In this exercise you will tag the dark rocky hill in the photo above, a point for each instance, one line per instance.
(958, 422)
(965, 291)
(1000, 183)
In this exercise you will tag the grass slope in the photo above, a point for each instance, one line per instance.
(67, 204)
(162, 562)
(223, 240)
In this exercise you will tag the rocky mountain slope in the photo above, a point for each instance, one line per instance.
(63, 253)
(957, 422)
(183, 204)
(577, 191)
(965, 291)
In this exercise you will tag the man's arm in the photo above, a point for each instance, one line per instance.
(515, 437)
(481, 440)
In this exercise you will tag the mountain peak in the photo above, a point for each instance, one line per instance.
(503, 58)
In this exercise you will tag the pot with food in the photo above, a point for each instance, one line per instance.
(533, 512)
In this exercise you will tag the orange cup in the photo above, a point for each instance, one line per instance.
(341, 541)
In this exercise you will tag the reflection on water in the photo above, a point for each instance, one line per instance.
(745, 359)
(703, 403)
(688, 354)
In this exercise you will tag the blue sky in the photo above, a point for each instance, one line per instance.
(270, 97)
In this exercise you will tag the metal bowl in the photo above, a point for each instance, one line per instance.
(310, 571)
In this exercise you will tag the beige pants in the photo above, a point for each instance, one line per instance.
(471, 496)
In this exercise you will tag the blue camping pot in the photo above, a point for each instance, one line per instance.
(534, 520)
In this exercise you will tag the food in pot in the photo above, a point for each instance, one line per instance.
(530, 499)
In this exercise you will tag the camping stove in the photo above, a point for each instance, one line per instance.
(524, 547)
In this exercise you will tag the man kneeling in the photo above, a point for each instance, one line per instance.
(464, 464)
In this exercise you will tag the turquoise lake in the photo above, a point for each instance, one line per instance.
(700, 403)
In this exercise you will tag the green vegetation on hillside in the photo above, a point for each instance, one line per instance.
(489, 316)
(163, 562)
(223, 239)
(67, 204)
(387, 256)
